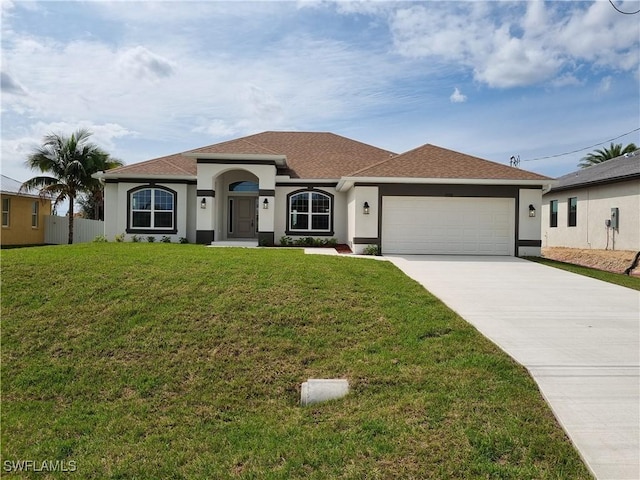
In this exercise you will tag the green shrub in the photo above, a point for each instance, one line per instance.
(100, 239)
(329, 242)
(183, 240)
(151, 239)
(165, 239)
(371, 250)
(136, 239)
(286, 241)
(305, 242)
(119, 238)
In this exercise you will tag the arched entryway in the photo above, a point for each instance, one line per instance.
(242, 209)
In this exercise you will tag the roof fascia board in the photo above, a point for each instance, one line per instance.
(280, 160)
(283, 179)
(125, 176)
(595, 183)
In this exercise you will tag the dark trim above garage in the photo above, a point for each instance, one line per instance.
(457, 190)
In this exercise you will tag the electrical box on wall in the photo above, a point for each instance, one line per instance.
(614, 218)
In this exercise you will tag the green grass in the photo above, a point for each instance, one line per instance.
(616, 278)
(179, 361)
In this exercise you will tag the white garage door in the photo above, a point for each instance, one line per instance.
(448, 226)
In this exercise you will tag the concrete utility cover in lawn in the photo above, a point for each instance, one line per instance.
(578, 337)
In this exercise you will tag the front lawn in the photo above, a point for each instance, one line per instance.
(179, 361)
(610, 277)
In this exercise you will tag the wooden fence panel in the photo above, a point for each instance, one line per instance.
(56, 230)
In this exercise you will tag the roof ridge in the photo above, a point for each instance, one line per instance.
(393, 155)
(178, 167)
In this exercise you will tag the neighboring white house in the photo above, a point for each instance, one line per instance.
(322, 185)
(596, 207)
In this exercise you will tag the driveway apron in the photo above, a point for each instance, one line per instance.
(578, 337)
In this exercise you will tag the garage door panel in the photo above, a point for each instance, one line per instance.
(444, 225)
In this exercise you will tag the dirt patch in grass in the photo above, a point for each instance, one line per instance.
(616, 261)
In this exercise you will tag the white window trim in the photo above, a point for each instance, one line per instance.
(35, 215)
(152, 210)
(7, 212)
(309, 213)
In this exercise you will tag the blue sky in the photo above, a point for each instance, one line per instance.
(491, 79)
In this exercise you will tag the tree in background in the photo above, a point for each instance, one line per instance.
(92, 202)
(602, 155)
(70, 162)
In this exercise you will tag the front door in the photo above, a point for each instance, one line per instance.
(242, 217)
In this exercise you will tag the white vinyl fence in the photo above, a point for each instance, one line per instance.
(56, 230)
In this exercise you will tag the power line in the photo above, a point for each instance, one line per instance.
(581, 149)
(624, 13)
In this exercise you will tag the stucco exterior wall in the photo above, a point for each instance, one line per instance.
(116, 213)
(529, 227)
(19, 231)
(594, 207)
(339, 213)
(365, 226)
(213, 185)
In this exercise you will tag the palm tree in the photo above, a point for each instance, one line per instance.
(92, 202)
(599, 156)
(71, 161)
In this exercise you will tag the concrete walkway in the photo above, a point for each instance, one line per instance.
(578, 337)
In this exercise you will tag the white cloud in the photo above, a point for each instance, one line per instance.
(457, 96)
(605, 84)
(505, 47)
(143, 63)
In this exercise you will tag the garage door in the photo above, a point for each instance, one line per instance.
(448, 226)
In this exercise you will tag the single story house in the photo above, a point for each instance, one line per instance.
(429, 200)
(22, 214)
(596, 207)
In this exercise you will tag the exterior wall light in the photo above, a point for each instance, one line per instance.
(203, 203)
(265, 204)
(365, 208)
(532, 210)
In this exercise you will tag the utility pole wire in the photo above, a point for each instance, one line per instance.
(624, 13)
(580, 149)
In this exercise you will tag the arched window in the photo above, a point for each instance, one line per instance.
(245, 186)
(152, 208)
(310, 211)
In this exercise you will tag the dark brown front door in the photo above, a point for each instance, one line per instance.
(242, 214)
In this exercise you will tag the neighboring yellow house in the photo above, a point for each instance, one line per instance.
(22, 215)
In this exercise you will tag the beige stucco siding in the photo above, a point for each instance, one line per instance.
(116, 195)
(20, 231)
(594, 207)
(339, 213)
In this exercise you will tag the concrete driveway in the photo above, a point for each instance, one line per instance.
(578, 337)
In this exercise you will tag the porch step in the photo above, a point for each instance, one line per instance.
(235, 243)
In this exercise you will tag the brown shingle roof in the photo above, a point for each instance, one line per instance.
(430, 161)
(330, 156)
(176, 164)
(309, 154)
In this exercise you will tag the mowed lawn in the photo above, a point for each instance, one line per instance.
(179, 361)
